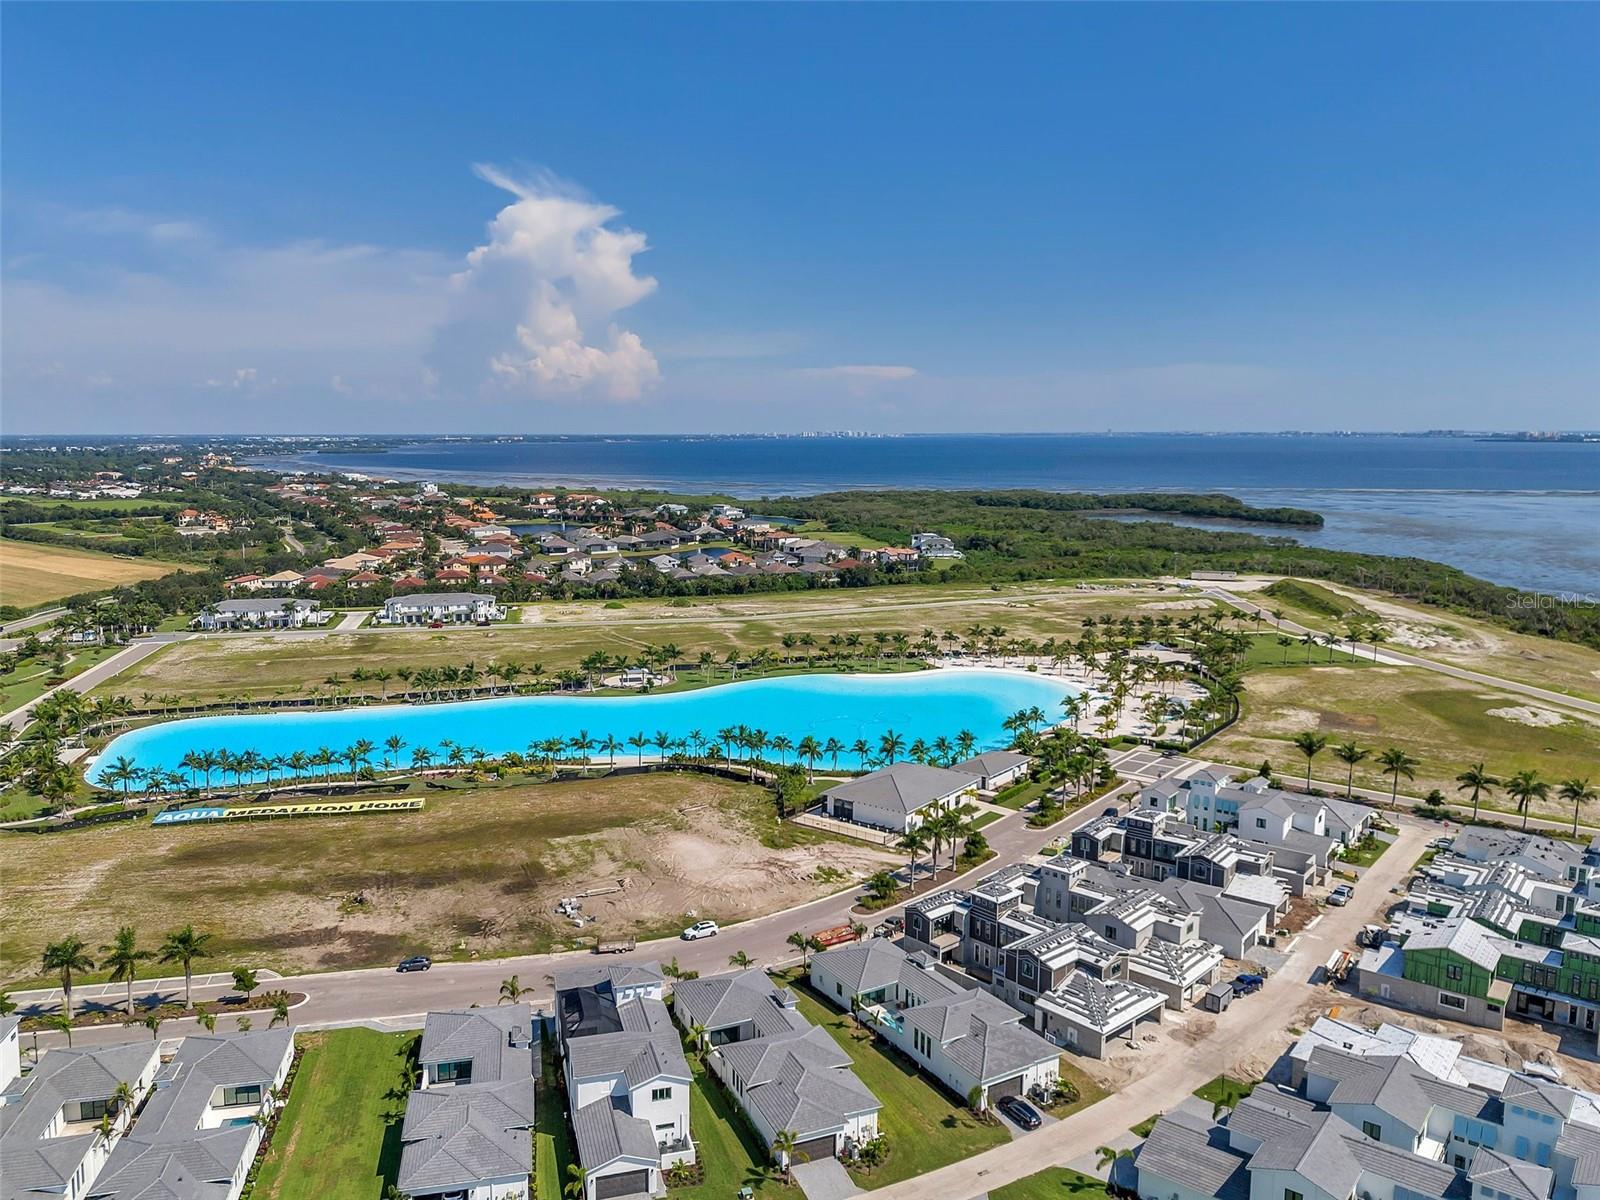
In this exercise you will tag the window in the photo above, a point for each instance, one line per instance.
(453, 1072)
(1261, 823)
(1373, 1130)
(1447, 1000)
(1453, 971)
(91, 1110)
(658, 1094)
(249, 1094)
(838, 989)
(1291, 1194)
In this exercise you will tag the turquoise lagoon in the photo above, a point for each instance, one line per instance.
(917, 704)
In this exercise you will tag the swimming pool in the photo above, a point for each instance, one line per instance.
(916, 705)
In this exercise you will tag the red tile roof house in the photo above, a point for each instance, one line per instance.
(410, 581)
(243, 583)
(364, 578)
(453, 575)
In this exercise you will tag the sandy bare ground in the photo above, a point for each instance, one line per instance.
(475, 872)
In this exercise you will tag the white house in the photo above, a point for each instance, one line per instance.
(995, 769)
(262, 614)
(964, 1037)
(897, 798)
(424, 608)
(627, 1081)
(467, 1129)
(200, 1122)
(51, 1143)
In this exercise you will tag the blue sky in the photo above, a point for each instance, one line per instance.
(373, 218)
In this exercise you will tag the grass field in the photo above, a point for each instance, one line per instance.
(339, 1136)
(1445, 723)
(1225, 1091)
(925, 1128)
(1265, 654)
(473, 872)
(1365, 852)
(1053, 1183)
(99, 506)
(559, 635)
(727, 1147)
(31, 575)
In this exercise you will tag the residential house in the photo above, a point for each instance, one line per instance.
(966, 1038)
(59, 1123)
(467, 1133)
(197, 1134)
(995, 769)
(934, 545)
(627, 1084)
(898, 797)
(261, 614)
(423, 608)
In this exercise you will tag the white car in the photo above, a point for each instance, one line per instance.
(1340, 896)
(700, 929)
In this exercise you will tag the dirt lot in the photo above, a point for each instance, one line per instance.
(33, 574)
(474, 872)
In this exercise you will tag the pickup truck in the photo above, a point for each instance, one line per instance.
(620, 946)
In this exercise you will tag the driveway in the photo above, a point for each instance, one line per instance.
(1016, 1131)
(824, 1179)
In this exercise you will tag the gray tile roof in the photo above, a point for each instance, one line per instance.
(498, 1040)
(200, 1167)
(645, 1048)
(454, 1137)
(1539, 1095)
(720, 1001)
(605, 1134)
(877, 963)
(991, 762)
(1582, 1145)
(1510, 1176)
(185, 1085)
(1193, 1153)
(904, 787)
(982, 1035)
(801, 1082)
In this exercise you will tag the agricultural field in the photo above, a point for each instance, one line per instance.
(475, 871)
(31, 575)
(560, 634)
(1446, 723)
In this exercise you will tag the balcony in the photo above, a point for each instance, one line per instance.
(677, 1150)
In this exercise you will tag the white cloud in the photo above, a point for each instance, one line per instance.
(858, 372)
(535, 307)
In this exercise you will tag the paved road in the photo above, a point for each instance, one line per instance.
(39, 618)
(134, 652)
(1252, 1025)
(1401, 658)
(342, 997)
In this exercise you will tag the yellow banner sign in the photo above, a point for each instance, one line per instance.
(332, 809)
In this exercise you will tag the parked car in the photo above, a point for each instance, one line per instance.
(417, 962)
(1111, 810)
(1340, 896)
(1441, 843)
(895, 923)
(1243, 985)
(700, 929)
(1020, 1112)
(883, 930)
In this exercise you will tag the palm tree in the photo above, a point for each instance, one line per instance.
(914, 841)
(639, 741)
(1310, 744)
(801, 942)
(1476, 780)
(1579, 792)
(63, 958)
(152, 1022)
(610, 745)
(123, 957)
(208, 1021)
(890, 745)
(833, 747)
(1350, 754)
(280, 1011)
(512, 990)
(1108, 1155)
(184, 946)
(784, 1144)
(810, 750)
(577, 1185)
(1525, 787)
(740, 959)
(61, 1023)
(1396, 763)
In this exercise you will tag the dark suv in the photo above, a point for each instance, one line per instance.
(1020, 1112)
(417, 962)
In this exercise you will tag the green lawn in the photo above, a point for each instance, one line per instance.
(1224, 1091)
(1365, 852)
(339, 1137)
(1143, 1128)
(925, 1127)
(1265, 653)
(988, 818)
(33, 677)
(113, 505)
(1052, 1183)
(727, 1148)
(1020, 794)
(552, 1137)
